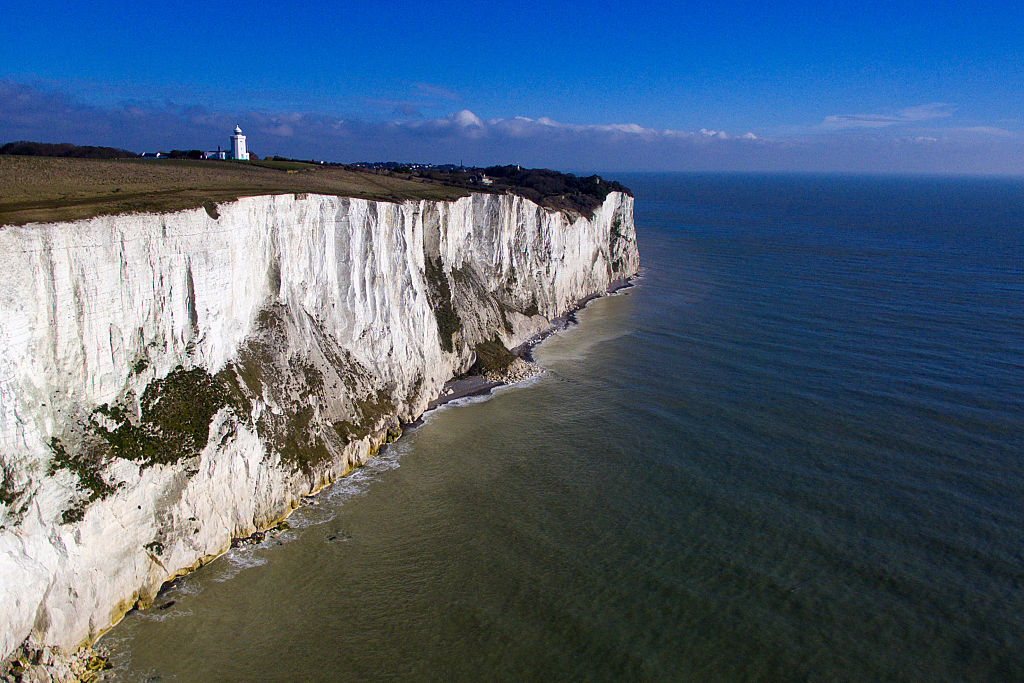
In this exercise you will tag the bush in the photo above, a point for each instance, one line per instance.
(560, 191)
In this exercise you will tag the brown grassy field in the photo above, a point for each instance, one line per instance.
(47, 189)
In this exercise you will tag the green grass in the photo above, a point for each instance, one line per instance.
(51, 189)
(284, 165)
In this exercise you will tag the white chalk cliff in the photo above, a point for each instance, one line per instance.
(171, 381)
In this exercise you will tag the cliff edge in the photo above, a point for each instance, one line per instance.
(171, 381)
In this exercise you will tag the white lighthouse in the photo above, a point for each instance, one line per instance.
(238, 145)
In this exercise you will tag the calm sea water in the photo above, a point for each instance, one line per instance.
(793, 451)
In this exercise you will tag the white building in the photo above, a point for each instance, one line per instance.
(238, 145)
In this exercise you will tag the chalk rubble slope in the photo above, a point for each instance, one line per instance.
(171, 381)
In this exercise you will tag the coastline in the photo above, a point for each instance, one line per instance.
(457, 388)
(283, 349)
(478, 385)
(90, 661)
(568, 319)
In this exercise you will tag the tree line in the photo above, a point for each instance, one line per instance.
(65, 149)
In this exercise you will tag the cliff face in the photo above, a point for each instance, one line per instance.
(168, 382)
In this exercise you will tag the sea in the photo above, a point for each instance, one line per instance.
(792, 450)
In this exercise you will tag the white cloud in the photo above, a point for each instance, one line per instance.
(525, 127)
(467, 119)
(918, 114)
(718, 134)
(281, 130)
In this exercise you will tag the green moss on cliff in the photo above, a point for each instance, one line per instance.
(616, 228)
(8, 494)
(294, 437)
(176, 412)
(290, 430)
(370, 411)
(440, 294)
(305, 394)
(173, 424)
(86, 465)
(492, 357)
(170, 422)
(617, 234)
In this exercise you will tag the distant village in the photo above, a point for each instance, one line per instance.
(475, 175)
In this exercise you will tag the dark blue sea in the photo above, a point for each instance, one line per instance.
(794, 450)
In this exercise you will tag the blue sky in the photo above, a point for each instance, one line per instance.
(867, 86)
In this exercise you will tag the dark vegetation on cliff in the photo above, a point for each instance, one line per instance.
(308, 425)
(171, 422)
(440, 294)
(8, 494)
(492, 357)
(615, 236)
(551, 189)
(47, 182)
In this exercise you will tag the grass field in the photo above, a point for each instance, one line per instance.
(48, 189)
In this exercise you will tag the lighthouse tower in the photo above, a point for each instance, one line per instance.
(238, 145)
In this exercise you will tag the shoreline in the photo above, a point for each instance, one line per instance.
(568, 319)
(478, 385)
(453, 390)
(90, 662)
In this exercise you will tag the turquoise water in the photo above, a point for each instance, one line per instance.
(792, 451)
